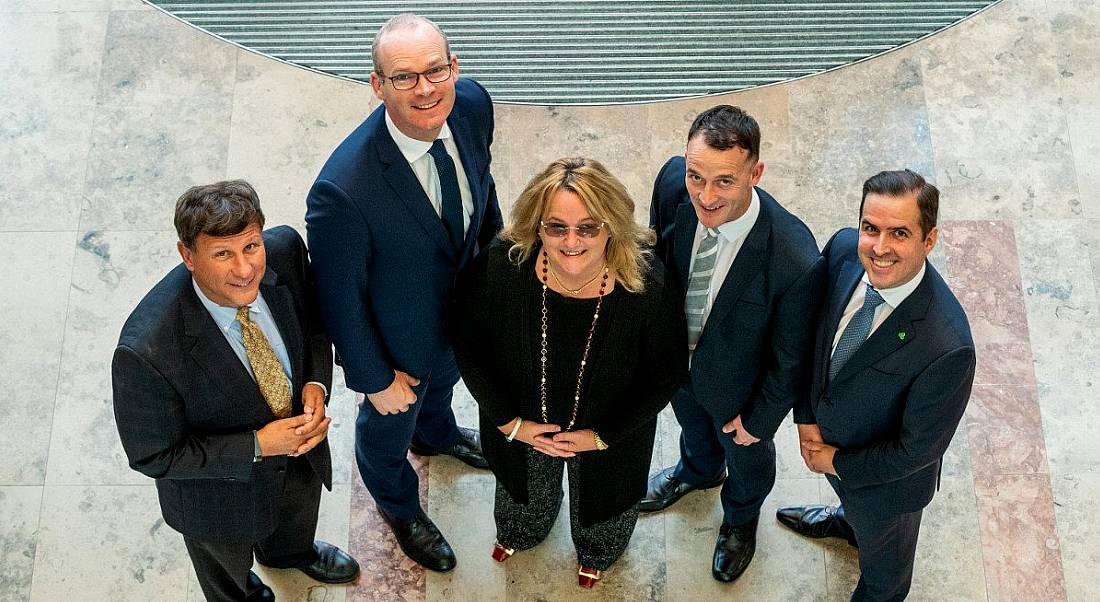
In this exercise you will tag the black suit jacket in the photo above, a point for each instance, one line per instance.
(186, 406)
(753, 356)
(894, 406)
(385, 266)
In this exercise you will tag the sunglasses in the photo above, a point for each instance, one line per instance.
(558, 230)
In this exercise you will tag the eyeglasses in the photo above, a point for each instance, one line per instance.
(408, 81)
(557, 230)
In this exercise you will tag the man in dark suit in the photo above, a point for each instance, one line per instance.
(220, 378)
(893, 366)
(401, 205)
(751, 274)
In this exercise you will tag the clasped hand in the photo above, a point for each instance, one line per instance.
(297, 435)
(817, 454)
(550, 440)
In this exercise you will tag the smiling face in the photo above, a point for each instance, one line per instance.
(573, 257)
(720, 181)
(891, 246)
(228, 269)
(421, 111)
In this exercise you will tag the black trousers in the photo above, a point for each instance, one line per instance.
(223, 567)
(887, 548)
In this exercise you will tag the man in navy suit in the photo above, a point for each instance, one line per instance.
(220, 379)
(400, 206)
(752, 277)
(893, 366)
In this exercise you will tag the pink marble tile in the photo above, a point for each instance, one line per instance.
(1002, 363)
(387, 574)
(1005, 431)
(1019, 540)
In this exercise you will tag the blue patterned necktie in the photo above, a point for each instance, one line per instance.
(699, 286)
(452, 197)
(856, 332)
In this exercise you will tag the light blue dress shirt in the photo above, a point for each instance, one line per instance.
(260, 314)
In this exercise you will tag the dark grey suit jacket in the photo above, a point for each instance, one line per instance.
(894, 406)
(186, 407)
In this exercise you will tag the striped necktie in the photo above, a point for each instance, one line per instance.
(856, 332)
(265, 366)
(699, 286)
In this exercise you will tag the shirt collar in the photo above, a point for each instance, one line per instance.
(739, 228)
(894, 296)
(223, 316)
(412, 148)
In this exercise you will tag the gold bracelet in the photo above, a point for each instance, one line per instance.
(600, 445)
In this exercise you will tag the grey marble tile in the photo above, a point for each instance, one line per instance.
(999, 129)
(107, 543)
(112, 271)
(286, 122)
(341, 431)
(785, 567)
(1076, 38)
(71, 6)
(461, 504)
(956, 462)
(1075, 496)
(949, 552)
(20, 507)
(30, 356)
(1070, 427)
(52, 59)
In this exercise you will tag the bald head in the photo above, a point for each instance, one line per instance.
(402, 23)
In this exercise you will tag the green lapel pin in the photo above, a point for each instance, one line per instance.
(901, 336)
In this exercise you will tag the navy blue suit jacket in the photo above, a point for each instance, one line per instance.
(753, 356)
(894, 406)
(186, 406)
(385, 267)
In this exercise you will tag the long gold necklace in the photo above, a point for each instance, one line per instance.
(575, 291)
(587, 342)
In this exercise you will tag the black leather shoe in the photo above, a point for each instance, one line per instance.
(467, 449)
(664, 489)
(332, 565)
(814, 521)
(734, 550)
(421, 540)
(260, 591)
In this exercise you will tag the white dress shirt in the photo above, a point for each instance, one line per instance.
(416, 153)
(891, 296)
(731, 236)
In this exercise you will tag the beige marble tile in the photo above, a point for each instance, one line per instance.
(341, 431)
(52, 58)
(1075, 496)
(29, 357)
(111, 272)
(460, 501)
(20, 507)
(691, 528)
(286, 122)
(107, 543)
(949, 557)
(1070, 428)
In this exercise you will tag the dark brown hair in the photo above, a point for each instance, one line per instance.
(904, 182)
(218, 209)
(726, 126)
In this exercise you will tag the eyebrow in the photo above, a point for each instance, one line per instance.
(895, 229)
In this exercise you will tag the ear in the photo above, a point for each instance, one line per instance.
(376, 83)
(187, 255)
(930, 240)
(757, 171)
(454, 66)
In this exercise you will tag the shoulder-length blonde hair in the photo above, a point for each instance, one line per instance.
(606, 200)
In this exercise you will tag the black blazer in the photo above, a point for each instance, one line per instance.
(385, 266)
(753, 356)
(186, 407)
(894, 406)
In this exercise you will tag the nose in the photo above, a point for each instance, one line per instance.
(423, 86)
(241, 268)
(881, 247)
(708, 195)
(572, 239)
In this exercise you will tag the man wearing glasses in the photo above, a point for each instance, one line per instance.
(400, 206)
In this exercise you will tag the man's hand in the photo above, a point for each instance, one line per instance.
(576, 441)
(821, 456)
(740, 435)
(314, 431)
(539, 436)
(808, 433)
(278, 437)
(397, 397)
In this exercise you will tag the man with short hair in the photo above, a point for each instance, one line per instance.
(893, 366)
(220, 378)
(403, 203)
(752, 279)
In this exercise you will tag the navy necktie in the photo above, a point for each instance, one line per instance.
(452, 197)
(856, 332)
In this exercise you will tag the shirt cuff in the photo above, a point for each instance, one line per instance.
(323, 387)
(257, 455)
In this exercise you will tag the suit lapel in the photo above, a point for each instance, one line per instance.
(745, 267)
(683, 241)
(214, 355)
(472, 167)
(402, 180)
(281, 303)
(897, 331)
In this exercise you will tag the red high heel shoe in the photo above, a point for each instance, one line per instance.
(587, 577)
(501, 553)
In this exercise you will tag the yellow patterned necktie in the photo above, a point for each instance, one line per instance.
(265, 365)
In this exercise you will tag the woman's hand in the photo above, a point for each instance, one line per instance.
(539, 436)
(576, 441)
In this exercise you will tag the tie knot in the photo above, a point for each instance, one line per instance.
(242, 314)
(873, 299)
(437, 150)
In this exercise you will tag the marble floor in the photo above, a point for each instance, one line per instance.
(109, 109)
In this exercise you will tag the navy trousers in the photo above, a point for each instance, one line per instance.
(705, 451)
(382, 440)
(887, 549)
